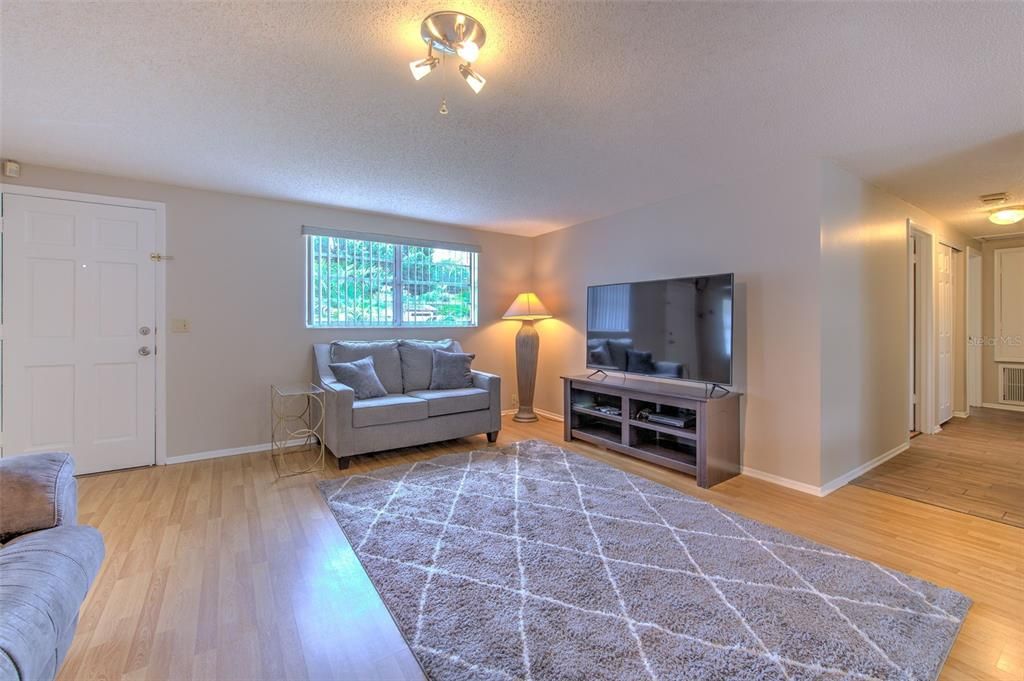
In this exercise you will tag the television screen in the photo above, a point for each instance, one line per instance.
(670, 328)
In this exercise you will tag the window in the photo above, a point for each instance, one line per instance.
(608, 308)
(366, 280)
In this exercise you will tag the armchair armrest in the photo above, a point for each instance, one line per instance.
(37, 492)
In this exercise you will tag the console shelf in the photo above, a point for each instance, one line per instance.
(706, 444)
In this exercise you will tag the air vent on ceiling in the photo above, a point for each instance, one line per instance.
(992, 199)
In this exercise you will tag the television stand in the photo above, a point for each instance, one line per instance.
(683, 428)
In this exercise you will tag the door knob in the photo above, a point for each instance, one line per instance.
(144, 351)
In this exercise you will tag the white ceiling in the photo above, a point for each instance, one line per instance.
(590, 108)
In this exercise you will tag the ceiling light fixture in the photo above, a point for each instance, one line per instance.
(452, 33)
(1007, 216)
(1003, 215)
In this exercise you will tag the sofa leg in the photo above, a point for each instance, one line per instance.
(492, 436)
(343, 462)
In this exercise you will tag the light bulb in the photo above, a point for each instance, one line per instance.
(468, 50)
(1007, 216)
(421, 67)
(473, 79)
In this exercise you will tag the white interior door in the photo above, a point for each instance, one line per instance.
(944, 332)
(974, 339)
(79, 373)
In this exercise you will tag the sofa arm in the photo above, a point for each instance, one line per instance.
(338, 400)
(37, 492)
(492, 384)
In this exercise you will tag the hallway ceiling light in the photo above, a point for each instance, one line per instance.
(455, 34)
(1007, 216)
(1002, 214)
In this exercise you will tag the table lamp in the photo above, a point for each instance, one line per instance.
(526, 308)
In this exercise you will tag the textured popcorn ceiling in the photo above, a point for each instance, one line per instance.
(590, 108)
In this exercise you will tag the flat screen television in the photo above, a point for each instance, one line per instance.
(670, 328)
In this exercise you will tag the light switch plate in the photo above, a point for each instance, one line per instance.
(181, 326)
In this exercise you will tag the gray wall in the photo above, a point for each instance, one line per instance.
(769, 238)
(238, 275)
(864, 328)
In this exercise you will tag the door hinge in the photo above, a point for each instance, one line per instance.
(160, 257)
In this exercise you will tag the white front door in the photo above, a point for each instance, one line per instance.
(944, 324)
(79, 307)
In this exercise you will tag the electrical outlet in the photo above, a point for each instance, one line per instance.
(181, 326)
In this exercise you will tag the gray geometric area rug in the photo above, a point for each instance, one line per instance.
(531, 562)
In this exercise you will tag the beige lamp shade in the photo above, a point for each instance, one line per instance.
(527, 307)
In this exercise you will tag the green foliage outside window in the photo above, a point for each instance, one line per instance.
(357, 283)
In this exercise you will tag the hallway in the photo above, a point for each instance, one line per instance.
(975, 466)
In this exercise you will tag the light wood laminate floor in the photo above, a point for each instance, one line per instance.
(215, 570)
(975, 465)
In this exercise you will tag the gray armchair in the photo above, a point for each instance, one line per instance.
(47, 563)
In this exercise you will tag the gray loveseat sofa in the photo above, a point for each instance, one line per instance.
(410, 414)
(47, 564)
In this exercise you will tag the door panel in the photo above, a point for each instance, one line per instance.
(78, 286)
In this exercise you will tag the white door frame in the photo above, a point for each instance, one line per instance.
(974, 305)
(160, 332)
(927, 355)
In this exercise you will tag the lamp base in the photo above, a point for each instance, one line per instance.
(525, 415)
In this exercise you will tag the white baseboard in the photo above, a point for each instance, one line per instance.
(843, 479)
(831, 486)
(508, 412)
(781, 481)
(1007, 407)
(233, 451)
(961, 414)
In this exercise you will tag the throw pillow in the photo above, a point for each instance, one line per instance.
(360, 376)
(386, 360)
(418, 361)
(640, 362)
(600, 357)
(451, 370)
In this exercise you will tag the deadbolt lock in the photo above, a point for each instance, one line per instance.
(144, 330)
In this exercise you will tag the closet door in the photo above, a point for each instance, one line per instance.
(944, 332)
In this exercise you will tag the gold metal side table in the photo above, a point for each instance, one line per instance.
(296, 413)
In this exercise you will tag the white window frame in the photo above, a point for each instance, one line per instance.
(397, 302)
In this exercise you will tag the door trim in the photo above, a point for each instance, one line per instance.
(974, 301)
(927, 358)
(160, 333)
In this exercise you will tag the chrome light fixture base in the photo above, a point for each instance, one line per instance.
(444, 31)
(456, 34)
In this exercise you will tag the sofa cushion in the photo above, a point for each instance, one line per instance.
(451, 370)
(396, 408)
(441, 402)
(361, 377)
(418, 361)
(386, 360)
(617, 348)
(44, 577)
